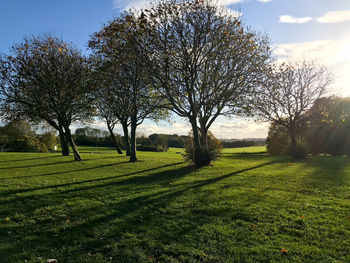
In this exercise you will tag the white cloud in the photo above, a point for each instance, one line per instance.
(131, 4)
(294, 20)
(138, 4)
(324, 51)
(264, 1)
(333, 53)
(335, 17)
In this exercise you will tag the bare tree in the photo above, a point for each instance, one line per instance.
(288, 93)
(205, 62)
(45, 79)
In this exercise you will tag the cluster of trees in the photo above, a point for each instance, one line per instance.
(18, 136)
(324, 128)
(88, 136)
(188, 57)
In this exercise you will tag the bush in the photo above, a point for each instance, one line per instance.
(151, 148)
(26, 143)
(49, 140)
(277, 141)
(18, 136)
(212, 153)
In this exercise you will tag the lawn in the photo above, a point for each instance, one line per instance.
(243, 208)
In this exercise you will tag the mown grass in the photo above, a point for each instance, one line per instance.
(244, 208)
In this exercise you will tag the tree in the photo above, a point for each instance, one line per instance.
(205, 62)
(288, 93)
(105, 111)
(20, 137)
(45, 79)
(328, 126)
(119, 46)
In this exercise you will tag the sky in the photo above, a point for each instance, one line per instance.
(299, 29)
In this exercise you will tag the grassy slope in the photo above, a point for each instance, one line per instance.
(244, 208)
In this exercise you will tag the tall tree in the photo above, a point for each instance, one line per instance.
(205, 62)
(289, 91)
(328, 123)
(45, 79)
(110, 100)
(105, 112)
(120, 45)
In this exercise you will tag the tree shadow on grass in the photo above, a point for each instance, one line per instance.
(133, 215)
(47, 164)
(6, 193)
(35, 165)
(328, 174)
(30, 159)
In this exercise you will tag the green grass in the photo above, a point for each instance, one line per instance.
(244, 208)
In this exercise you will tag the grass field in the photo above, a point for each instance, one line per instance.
(244, 208)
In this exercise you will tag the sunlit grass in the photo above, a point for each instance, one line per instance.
(243, 208)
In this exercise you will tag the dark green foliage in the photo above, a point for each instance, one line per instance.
(278, 140)
(211, 153)
(153, 143)
(49, 139)
(18, 136)
(237, 144)
(329, 126)
(46, 79)
(151, 148)
(171, 140)
(88, 136)
(322, 129)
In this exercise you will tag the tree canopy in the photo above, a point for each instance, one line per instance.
(45, 79)
(204, 61)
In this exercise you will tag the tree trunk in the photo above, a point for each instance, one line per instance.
(114, 140)
(64, 143)
(72, 144)
(204, 136)
(126, 139)
(133, 157)
(295, 150)
(200, 154)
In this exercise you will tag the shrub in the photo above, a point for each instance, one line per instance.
(27, 143)
(151, 148)
(211, 153)
(277, 141)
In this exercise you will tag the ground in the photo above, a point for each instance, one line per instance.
(243, 208)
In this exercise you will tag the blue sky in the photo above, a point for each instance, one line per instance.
(310, 29)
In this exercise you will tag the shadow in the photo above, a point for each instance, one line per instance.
(47, 164)
(118, 225)
(31, 159)
(146, 213)
(85, 181)
(38, 165)
(246, 153)
(217, 179)
(327, 174)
